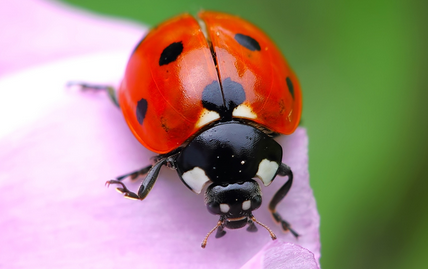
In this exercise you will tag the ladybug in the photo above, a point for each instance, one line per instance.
(209, 95)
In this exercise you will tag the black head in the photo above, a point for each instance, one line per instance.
(229, 155)
(234, 202)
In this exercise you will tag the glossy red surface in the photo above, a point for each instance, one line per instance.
(173, 91)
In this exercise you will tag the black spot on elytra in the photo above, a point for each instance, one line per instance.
(224, 100)
(248, 42)
(290, 86)
(171, 53)
(212, 98)
(234, 94)
(141, 110)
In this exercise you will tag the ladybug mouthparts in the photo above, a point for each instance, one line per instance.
(234, 203)
(234, 223)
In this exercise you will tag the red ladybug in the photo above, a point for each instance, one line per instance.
(208, 95)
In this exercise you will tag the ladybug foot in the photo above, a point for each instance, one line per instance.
(123, 189)
(284, 224)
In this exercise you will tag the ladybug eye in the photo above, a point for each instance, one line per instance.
(256, 202)
(214, 208)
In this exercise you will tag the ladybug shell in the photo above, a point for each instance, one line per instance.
(184, 75)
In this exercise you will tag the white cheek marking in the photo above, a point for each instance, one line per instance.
(195, 179)
(243, 111)
(224, 208)
(267, 171)
(246, 205)
(206, 117)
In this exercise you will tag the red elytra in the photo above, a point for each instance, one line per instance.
(161, 95)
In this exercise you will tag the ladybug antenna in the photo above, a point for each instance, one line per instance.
(272, 235)
(204, 243)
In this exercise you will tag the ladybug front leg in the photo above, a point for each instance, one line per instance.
(85, 86)
(135, 174)
(283, 170)
(146, 185)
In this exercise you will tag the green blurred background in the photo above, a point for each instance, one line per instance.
(362, 66)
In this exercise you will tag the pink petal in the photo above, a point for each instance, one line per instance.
(279, 254)
(36, 31)
(58, 147)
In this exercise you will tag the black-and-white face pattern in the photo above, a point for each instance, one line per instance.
(233, 200)
(197, 178)
(229, 156)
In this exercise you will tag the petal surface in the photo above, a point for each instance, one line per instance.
(59, 146)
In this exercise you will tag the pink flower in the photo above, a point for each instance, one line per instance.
(58, 147)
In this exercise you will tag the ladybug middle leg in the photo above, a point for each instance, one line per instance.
(151, 171)
(86, 86)
(283, 170)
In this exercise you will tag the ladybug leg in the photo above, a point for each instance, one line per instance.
(123, 189)
(134, 175)
(86, 86)
(150, 179)
(283, 170)
(146, 185)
